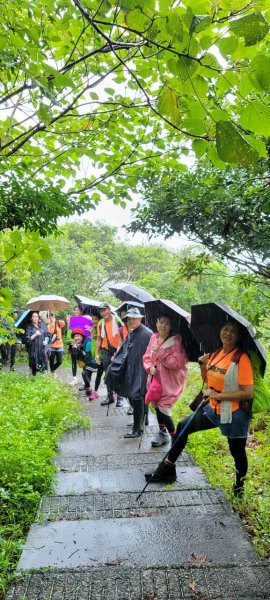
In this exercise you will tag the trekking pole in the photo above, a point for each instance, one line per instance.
(202, 403)
(144, 425)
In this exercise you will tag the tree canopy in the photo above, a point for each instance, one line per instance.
(94, 93)
(225, 210)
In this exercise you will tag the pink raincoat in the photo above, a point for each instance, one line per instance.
(171, 360)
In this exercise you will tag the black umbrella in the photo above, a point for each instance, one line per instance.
(129, 304)
(180, 323)
(207, 321)
(92, 305)
(128, 291)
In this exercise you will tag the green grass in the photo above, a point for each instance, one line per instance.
(34, 412)
(210, 450)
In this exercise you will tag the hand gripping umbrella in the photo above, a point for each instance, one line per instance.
(128, 291)
(180, 319)
(202, 403)
(207, 321)
(48, 302)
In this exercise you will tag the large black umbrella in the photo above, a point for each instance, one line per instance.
(92, 305)
(128, 291)
(180, 323)
(207, 321)
(129, 304)
(87, 302)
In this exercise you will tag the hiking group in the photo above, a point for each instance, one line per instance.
(149, 366)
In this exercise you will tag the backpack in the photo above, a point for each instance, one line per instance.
(261, 393)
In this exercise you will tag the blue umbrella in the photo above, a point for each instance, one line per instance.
(21, 318)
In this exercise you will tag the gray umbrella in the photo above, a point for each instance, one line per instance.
(207, 321)
(128, 291)
(180, 319)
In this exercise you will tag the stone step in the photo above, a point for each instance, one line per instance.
(119, 480)
(151, 542)
(100, 440)
(106, 461)
(195, 581)
(117, 417)
(122, 505)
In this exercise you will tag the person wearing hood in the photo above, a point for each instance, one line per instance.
(131, 380)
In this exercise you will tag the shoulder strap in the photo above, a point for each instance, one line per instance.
(237, 355)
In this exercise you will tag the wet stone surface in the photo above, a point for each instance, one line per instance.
(193, 582)
(179, 542)
(156, 503)
(106, 461)
(101, 441)
(122, 480)
(142, 541)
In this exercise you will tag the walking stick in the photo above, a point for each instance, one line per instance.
(203, 402)
(145, 422)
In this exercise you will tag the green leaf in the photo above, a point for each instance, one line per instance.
(200, 23)
(256, 117)
(137, 20)
(167, 106)
(174, 26)
(253, 28)
(227, 45)
(44, 114)
(232, 147)
(200, 147)
(194, 126)
(185, 68)
(260, 72)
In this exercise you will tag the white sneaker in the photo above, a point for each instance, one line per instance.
(74, 381)
(161, 438)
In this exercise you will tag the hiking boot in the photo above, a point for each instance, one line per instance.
(93, 396)
(135, 433)
(107, 401)
(238, 490)
(119, 401)
(165, 473)
(161, 438)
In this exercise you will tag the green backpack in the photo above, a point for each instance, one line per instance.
(261, 396)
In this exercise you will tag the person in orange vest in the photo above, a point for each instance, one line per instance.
(56, 345)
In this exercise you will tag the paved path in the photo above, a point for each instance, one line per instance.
(92, 540)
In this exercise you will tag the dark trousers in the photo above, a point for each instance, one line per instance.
(13, 350)
(56, 359)
(87, 376)
(165, 421)
(4, 354)
(200, 422)
(138, 406)
(74, 365)
(106, 361)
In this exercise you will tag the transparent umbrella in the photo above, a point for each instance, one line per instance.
(48, 302)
